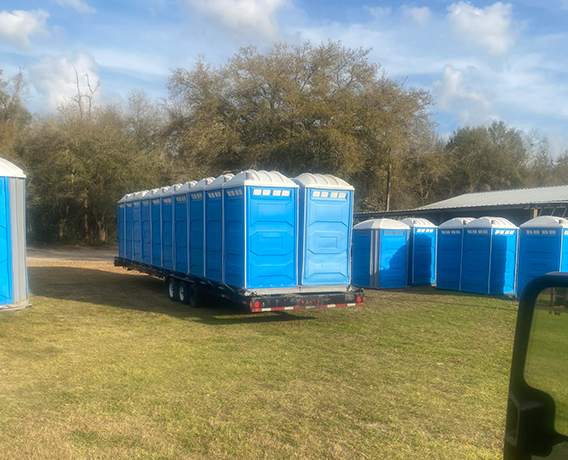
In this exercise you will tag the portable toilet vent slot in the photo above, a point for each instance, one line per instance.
(214, 228)
(181, 229)
(489, 264)
(380, 253)
(326, 225)
(13, 266)
(543, 248)
(449, 253)
(261, 238)
(421, 251)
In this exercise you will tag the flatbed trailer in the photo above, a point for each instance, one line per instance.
(195, 290)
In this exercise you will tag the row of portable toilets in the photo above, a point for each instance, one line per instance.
(489, 255)
(253, 230)
(260, 229)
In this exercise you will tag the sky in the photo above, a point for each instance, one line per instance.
(481, 60)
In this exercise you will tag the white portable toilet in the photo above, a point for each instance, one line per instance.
(13, 265)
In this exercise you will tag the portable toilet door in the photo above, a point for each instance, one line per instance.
(326, 223)
(489, 263)
(146, 227)
(129, 222)
(214, 237)
(121, 225)
(197, 227)
(261, 230)
(137, 225)
(156, 217)
(449, 253)
(380, 253)
(168, 227)
(421, 251)
(181, 233)
(543, 248)
(13, 266)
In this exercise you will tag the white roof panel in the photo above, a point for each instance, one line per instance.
(418, 222)
(376, 224)
(490, 222)
(219, 181)
(171, 190)
(261, 178)
(322, 181)
(456, 222)
(8, 169)
(546, 222)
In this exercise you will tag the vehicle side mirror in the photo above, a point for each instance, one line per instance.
(537, 411)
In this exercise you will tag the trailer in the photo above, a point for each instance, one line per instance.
(197, 292)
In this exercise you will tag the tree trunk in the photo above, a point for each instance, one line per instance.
(388, 194)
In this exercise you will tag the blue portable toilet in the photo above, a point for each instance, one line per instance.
(156, 219)
(543, 248)
(197, 227)
(489, 264)
(167, 204)
(13, 266)
(146, 227)
(380, 253)
(121, 226)
(326, 224)
(181, 233)
(261, 230)
(129, 227)
(449, 253)
(214, 239)
(421, 251)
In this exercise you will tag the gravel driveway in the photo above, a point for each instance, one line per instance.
(66, 253)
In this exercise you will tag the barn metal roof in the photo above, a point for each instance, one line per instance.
(525, 196)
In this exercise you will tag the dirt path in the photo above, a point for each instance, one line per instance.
(66, 253)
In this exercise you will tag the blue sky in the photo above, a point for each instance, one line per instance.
(481, 60)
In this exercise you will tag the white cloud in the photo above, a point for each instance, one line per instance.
(453, 96)
(250, 17)
(420, 15)
(78, 5)
(378, 12)
(490, 27)
(18, 26)
(56, 80)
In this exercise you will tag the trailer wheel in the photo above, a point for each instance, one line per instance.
(195, 296)
(183, 292)
(172, 288)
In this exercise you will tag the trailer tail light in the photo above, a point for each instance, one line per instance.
(359, 299)
(257, 304)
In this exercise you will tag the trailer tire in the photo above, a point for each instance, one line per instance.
(195, 296)
(183, 292)
(172, 289)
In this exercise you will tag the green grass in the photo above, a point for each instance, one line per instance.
(105, 367)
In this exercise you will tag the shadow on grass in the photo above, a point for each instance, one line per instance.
(136, 292)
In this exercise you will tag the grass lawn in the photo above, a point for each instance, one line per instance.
(104, 366)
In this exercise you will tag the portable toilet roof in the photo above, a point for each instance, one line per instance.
(328, 181)
(418, 222)
(8, 169)
(159, 192)
(456, 222)
(219, 181)
(124, 199)
(202, 184)
(171, 190)
(490, 222)
(381, 224)
(546, 221)
(261, 178)
(185, 187)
